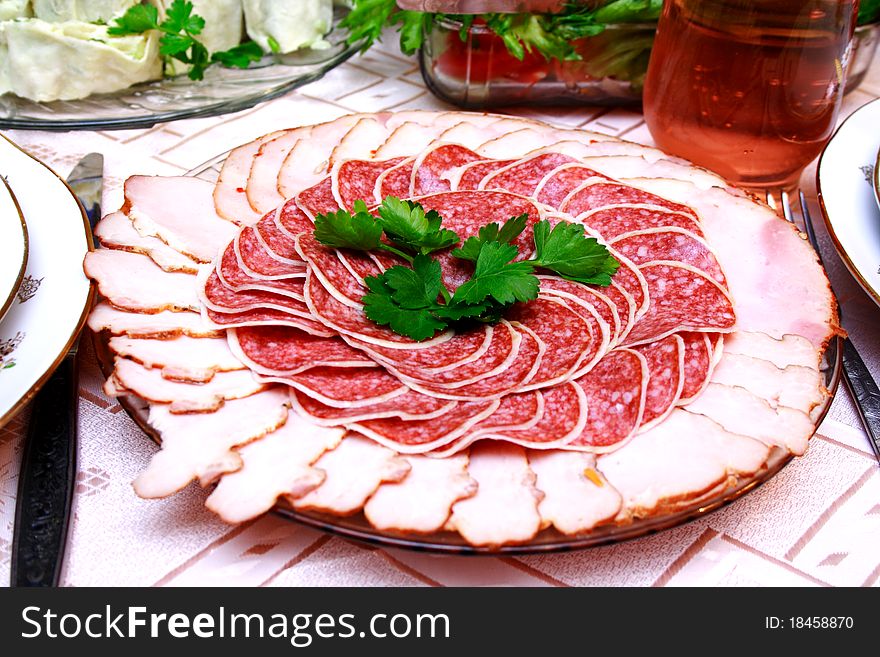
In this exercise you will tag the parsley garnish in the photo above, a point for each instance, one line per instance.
(178, 41)
(413, 301)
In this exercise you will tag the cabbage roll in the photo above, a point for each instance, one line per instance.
(287, 25)
(14, 9)
(87, 11)
(223, 22)
(63, 61)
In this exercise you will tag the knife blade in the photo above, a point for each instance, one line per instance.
(48, 468)
(857, 378)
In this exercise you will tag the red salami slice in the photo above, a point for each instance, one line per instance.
(565, 414)
(394, 182)
(282, 350)
(524, 176)
(560, 182)
(466, 212)
(615, 392)
(630, 279)
(671, 244)
(515, 412)
(274, 241)
(472, 175)
(336, 278)
(665, 361)
(353, 322)
(682, 299)
(463, 348)
(618, 219)
(265, 317)
(578, 292)
(411, 405)
(593, 195)
(318, 199)
(292, 221)
(220, 298)
(347, 387)
(231, 275)
(423, 435)
(257, 262)
(571, 337)
(355, 180)
(697, 364)
(432, 169)
(513, 379)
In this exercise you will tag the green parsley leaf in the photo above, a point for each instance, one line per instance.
(498, 278)
(240, 56)
(137, 20)
(566, 251)
(380, 307)
(511, 229)
(415, 288)
(179, 17)
(342, 230)
(274, 46)
(174, 44)
(408, 225)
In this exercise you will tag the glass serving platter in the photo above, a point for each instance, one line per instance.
(549, 540)
(223, 90)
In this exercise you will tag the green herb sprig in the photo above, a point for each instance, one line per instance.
(180, 29)
(412, 300)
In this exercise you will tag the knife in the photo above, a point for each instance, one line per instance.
(48, 468)
(857, 377)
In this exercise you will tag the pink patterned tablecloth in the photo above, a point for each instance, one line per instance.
(815, 524)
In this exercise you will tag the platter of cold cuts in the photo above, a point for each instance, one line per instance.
(462, 332)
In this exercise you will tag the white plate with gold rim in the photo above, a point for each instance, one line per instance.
(50, 306)
(13, 247)
(845, 182)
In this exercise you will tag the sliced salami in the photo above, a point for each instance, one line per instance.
(672, 244)
(566, 410)
(347, 387)
(292, 221)
(275, 241)
(231, 275)
(432, 169)
(258, 263)
(409, 406)
(665, 361)
(331, 270)
(394, 181)
(597, 194)
(220, 298)
(557, 184)
(284, 350)
(470, 176)
(616, 220)
(264, 317)
(318, 199)
(524, 176)
(682, 299)
(355, 180)
(615, 390)
(583, 294)
(419, 436)
(697, 365)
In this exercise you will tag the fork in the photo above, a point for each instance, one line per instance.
(858, 379)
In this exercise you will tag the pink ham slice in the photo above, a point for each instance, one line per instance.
(557, 184)
(258, 262)
(164, 325)
(432, 170)
(230, 193)
(697, 365)
(262, 184)
(619, 219)
(179, 359)
(409, 406)
(524, 176)
(682, 299)
(347, 387)
(355, 180)
(115, 231)
(671, 244)
(189, 224)
(283, 350)
(592, 195)
(665, 361)
(418, 436)
(131, 281)
(615, 392)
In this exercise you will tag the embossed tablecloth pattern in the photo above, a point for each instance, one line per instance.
(816, 523)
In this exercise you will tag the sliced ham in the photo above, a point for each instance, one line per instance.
(278, 465)
(115, 231)
(423, 500)
(577, 498)
(782, 352)
(131, 281)
(163, 325)
(202, 446)
(505, 508)
(652, 476)
(230, 193)
(189, 224)
(354, 470)
(180, 359)
(262, 183)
